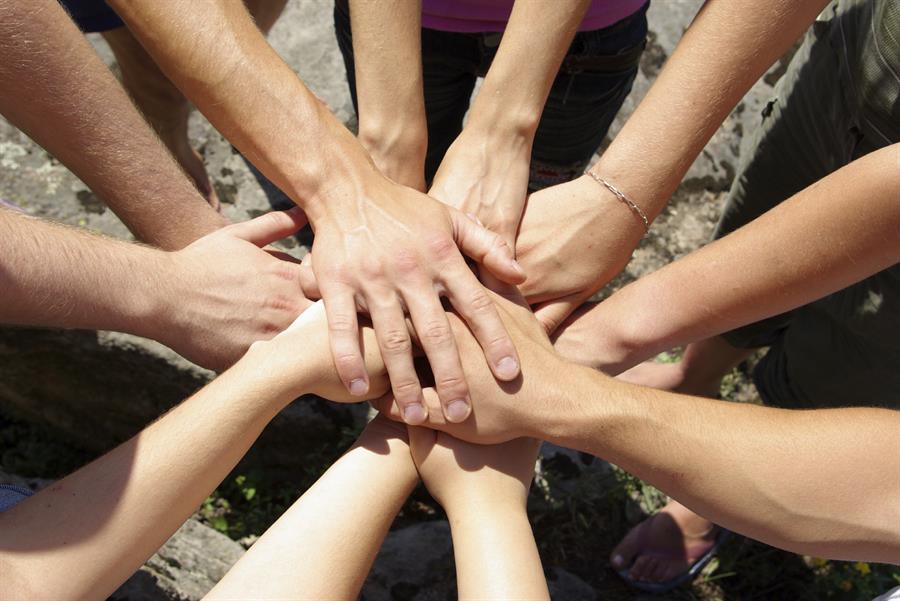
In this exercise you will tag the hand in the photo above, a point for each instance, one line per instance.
(486, 175)
(593, 336)
(504, 410)
(224, 292)
(459, 473)
(299, 358)
(575, 237)
(395, 249)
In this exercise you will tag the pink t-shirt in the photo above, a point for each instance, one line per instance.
(472, 16)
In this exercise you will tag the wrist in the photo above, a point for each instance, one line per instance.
(490, 507)
(154, 293)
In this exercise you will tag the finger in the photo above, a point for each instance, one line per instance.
(269, 227)
(486, 247)
(474, 303)
(507, 291)
(308, 282)
(343, 334)
(553, 313)
(387, 406)
(436, 338)
(396, 351)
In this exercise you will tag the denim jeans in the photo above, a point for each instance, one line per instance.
(593, 82)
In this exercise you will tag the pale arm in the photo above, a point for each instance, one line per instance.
(484, 490)
(324, 545)
(838, 231)
(728, 46)
(119, 509)
(387, 51)
(486, 170)
(55, 88)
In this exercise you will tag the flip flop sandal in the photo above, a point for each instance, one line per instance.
(682, 579)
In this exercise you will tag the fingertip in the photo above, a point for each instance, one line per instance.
(358, 386)
(507, 368)
(415, 414)
(457, 411)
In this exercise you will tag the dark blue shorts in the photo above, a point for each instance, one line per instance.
(92, 16)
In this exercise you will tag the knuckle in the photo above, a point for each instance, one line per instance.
(449, 382)
(406, 262)
(372, 268)
(441, 246)
(436, 333)
(341, 324)
(479, 301)
(345, 362)
(395, 342)
(406, 390)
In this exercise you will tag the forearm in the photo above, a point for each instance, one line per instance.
(56, 89)
(537, 36)
(838, 231)
(57, 276)
(496, 556)
(215, 54)
(324, 545)
(389, 84)
(726, 49)
(755, 470)
(119, 509)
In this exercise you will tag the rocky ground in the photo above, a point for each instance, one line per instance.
(66, 396)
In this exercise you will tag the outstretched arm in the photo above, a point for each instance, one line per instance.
(55, 88)
(119, 509)
(755, 470)
(484, 490)
(208, 302)
(485, 171)
(378, 244)
(835, 233)
(325, 543)
(387, 51)
(728, 46)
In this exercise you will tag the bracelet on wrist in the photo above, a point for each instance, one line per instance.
(621, 196)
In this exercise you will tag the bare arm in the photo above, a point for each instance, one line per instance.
(378, 244)
(324, 545)
(119, 509)
(484, 490)
(818, 482)
(838, 231)
(726, 49)
(485, 171)
(209, 301)
(56, 89)
(387, 51)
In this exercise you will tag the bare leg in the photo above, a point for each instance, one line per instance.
(665, 545)
(163, 105)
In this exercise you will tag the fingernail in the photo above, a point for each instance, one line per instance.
(414, 414)
(457, 411)
(618, 561)
(507, 367)
(358, 387)
(518, 267)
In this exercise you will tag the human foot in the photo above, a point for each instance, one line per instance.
(192, 164)
(665, 546)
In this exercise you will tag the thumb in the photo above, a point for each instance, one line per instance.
(308, 282)
(486, 247)
(269, 227)
(552, 313)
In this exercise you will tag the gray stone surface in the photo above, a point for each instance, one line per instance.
(414, 564)
(191, 562)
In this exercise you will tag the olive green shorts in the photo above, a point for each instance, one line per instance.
(838, 100)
